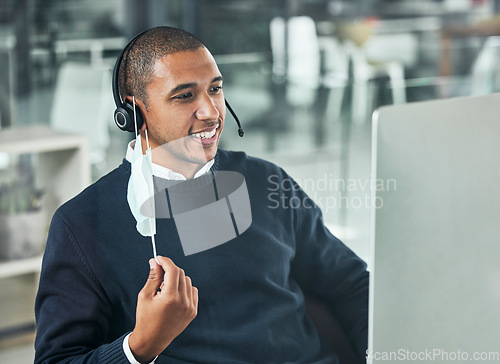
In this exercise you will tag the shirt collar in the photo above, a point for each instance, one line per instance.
(164, 172)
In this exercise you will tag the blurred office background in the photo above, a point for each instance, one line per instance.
(304, 77)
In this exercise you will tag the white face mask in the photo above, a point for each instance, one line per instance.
(140, 193)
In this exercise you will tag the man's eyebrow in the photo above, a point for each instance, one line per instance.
(184, 86)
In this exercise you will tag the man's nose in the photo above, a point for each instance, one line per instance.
(206, 109)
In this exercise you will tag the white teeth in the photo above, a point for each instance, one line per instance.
(205, 134)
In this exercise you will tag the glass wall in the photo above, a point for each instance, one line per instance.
(304, 77)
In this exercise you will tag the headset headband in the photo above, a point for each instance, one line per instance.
(116, 69)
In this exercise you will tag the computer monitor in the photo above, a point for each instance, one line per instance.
(435, 239)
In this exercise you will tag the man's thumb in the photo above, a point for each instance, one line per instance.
(155, 278)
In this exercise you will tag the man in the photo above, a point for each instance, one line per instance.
(238, 302)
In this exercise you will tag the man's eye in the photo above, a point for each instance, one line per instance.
(216, 89)
(184, 96)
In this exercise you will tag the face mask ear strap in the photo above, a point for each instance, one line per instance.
(147, 140)
(135, 124)
(135, 117)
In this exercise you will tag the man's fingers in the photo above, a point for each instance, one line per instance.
(182, 283)
(171, 276)
(189, 289)
(165, 263)
(155, 278)
(175, 281)
(195, 297)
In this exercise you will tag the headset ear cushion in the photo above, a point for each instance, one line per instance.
(124, 117)
(123, 120)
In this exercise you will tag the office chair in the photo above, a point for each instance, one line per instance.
(485, 73)
(330, 330)
(83, 104)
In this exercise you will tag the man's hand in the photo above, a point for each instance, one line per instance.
(166, 305)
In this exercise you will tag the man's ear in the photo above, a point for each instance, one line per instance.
(142, 108)
(130, 100)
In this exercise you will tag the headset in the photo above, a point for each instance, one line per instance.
(124, 113)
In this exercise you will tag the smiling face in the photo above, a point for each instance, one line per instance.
(185, 110)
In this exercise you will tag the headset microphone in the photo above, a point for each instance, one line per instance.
(240, 129)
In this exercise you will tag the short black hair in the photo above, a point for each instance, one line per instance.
(140, 56)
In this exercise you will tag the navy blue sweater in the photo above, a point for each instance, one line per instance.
(251, 289)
